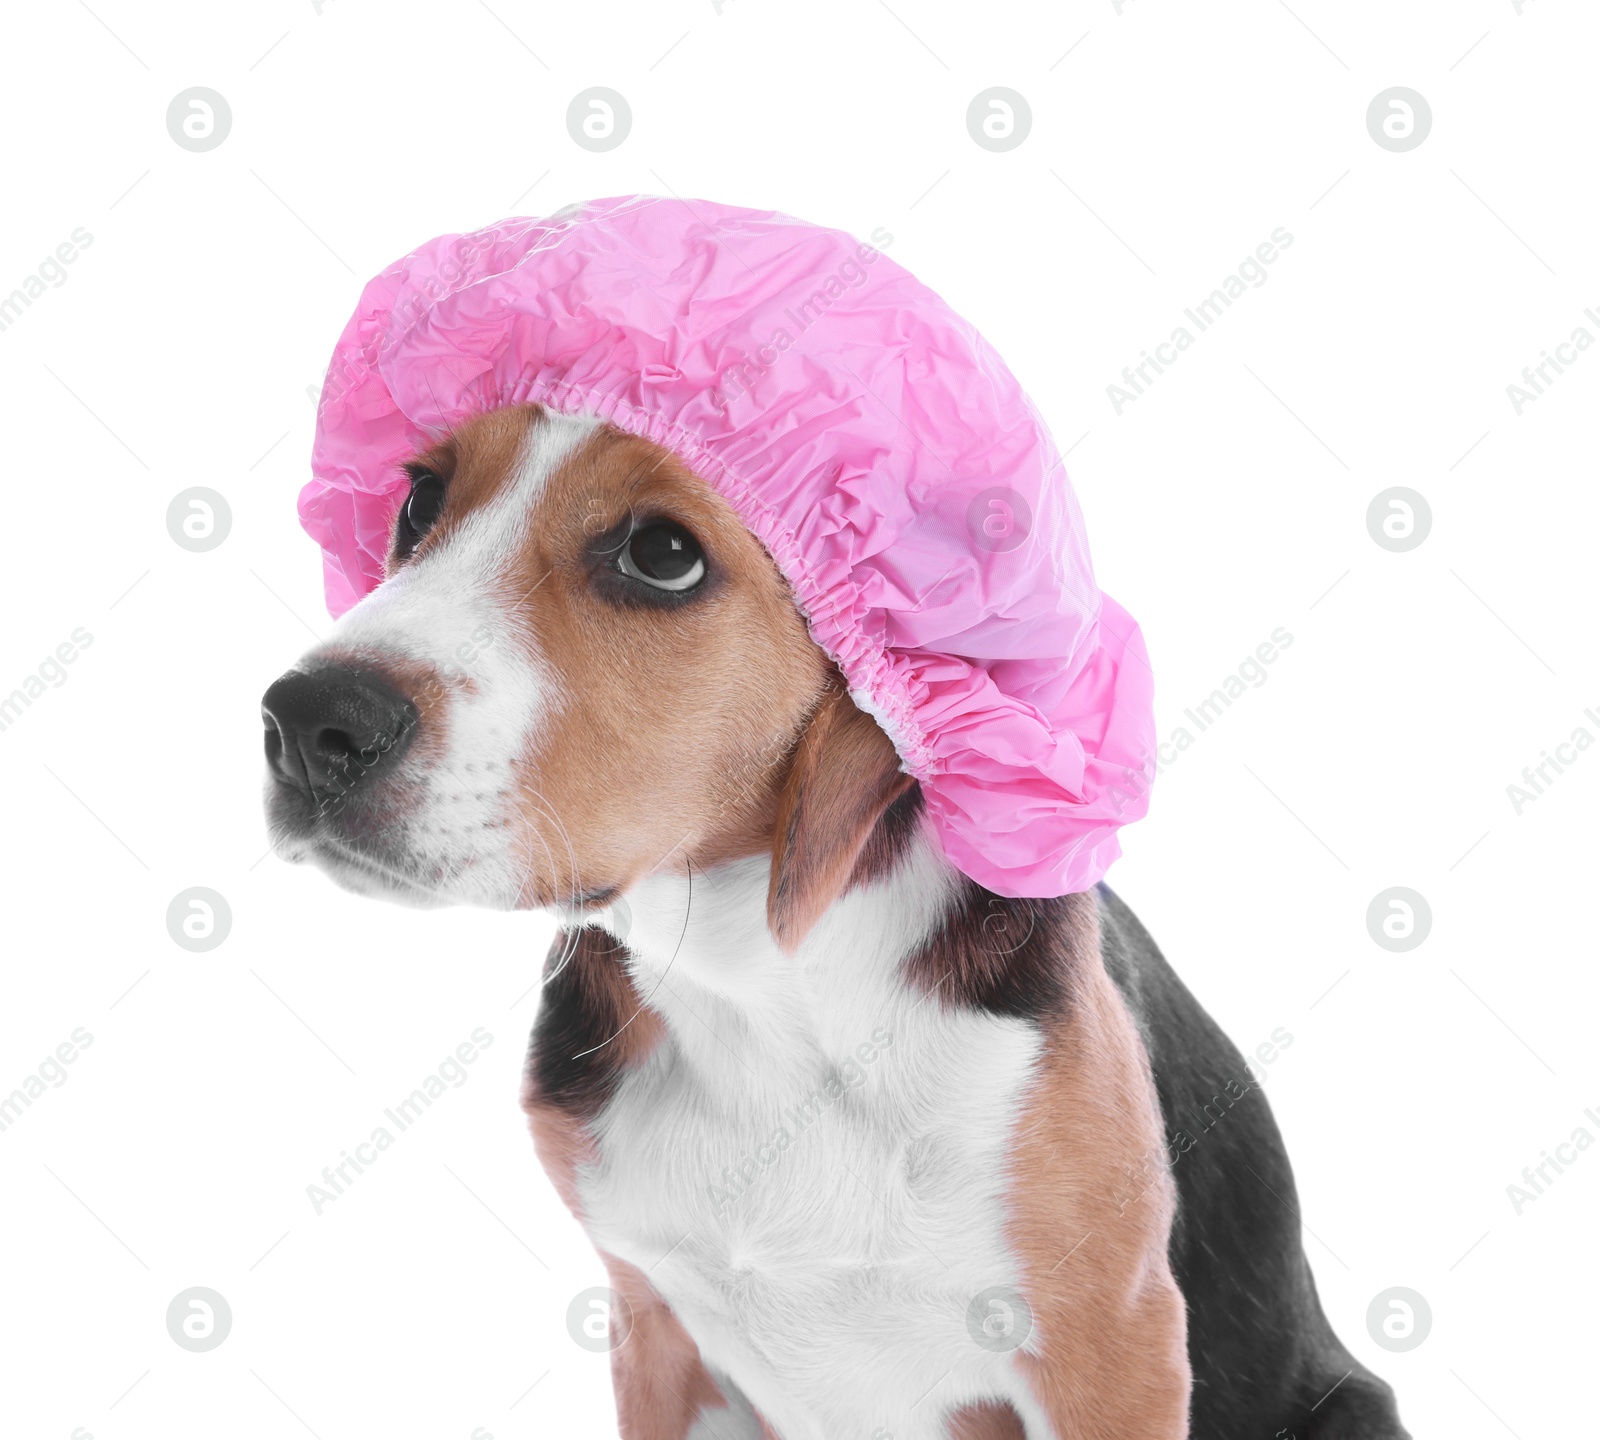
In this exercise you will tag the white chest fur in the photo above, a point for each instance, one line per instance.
(811, 1167)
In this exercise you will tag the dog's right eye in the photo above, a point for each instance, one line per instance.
(421, 509)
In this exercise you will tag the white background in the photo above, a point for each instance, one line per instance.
(1226, 502)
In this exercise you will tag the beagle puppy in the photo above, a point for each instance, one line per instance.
(870, 1152)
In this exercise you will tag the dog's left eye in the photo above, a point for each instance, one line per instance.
(663, 555)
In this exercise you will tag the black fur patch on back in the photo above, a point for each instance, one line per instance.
(1265, 1360)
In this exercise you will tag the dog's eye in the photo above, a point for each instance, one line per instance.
(427, 500)
(664, 555)
(421, 509)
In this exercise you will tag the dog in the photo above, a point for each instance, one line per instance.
(867, 1150)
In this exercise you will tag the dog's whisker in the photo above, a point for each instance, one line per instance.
(574, 883)
(662, 980)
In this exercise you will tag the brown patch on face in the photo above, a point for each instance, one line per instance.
(987, 1422)
(1090, 1211)
(675, 714)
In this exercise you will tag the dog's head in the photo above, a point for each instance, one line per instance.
(581, 669)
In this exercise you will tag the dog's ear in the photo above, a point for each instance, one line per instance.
(844, 774)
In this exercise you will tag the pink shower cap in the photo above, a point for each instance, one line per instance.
(866, 434)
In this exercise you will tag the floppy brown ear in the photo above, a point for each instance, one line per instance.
(844, 775)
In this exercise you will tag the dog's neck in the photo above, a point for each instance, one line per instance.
(704, 959)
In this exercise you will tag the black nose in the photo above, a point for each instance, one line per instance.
(332, 728)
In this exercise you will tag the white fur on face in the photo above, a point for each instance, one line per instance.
(451, 610)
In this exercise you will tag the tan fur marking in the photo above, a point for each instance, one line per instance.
(1107, 1359)
(661, 1384)
(987, 1422)
(563, 1143)
(844, 775)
